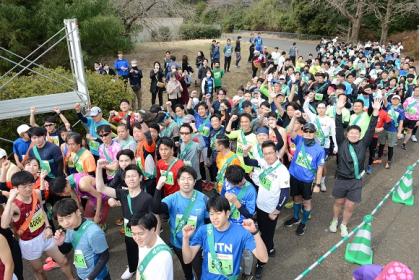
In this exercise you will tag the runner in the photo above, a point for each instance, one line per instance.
(325, 128)
(225, 158)
(91, 253)
(393, 129)
(305, 167)
(24, 210)
(222, 242)
(240, 193)
(243, 136)
(411, 113)
(347, 189)
(155, 257)
(82, 186)
(134, 202)
(168, 166)
(190, 151)
(273, 181)
(80, 160)
(48, 154)
(187, 206)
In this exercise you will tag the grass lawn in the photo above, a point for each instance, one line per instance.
(147, 53)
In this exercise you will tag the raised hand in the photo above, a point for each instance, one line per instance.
(188, 231)
(161, 182)
(102, 163)
(57, 110)
(249, 225)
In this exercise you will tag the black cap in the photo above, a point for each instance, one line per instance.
(410, 76)
(309, 126)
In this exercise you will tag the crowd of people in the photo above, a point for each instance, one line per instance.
(218, 168)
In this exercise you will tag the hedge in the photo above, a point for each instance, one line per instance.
(199, 31)
(105, 92)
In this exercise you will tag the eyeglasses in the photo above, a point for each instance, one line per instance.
(49, 124)
(184, 133)
(105, 134)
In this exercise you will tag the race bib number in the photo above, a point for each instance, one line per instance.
(45, 165)
(54, 140)
(169, 177)
(192, 220)
(94, 146)
(37, 221)
(304, 162)
(127, 229)
(205, 131)
(78, 166)
(235, 215)
(319, 96)
(266, 183)
(239, 149)
(79, 259)
(226, 263)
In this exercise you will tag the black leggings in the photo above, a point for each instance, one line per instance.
(267, 228)
(132, 253)
(188, 268)
(228, 59)
(390, 152)
(372, 150)
(157, 93)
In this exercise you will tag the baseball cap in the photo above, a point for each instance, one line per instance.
(134, 63)
(309, 126)
(188, 119)
(410, 76)
(2, 153)
(396, 96)
(95, 111)
(22, 128)
(262, 130)
(282, 77)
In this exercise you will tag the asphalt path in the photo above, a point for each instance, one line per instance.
(394, 235)
(271, 41)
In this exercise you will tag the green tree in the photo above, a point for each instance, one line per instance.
(24, 25)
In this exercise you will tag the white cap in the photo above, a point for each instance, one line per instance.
(2, 153)
(95, 111)
(22, 128)
(236, 98)
(396, 96)
(134, 63)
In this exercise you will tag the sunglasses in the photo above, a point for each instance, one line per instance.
(308, 131)
(184, 133)
(49, 124)
(105, 134)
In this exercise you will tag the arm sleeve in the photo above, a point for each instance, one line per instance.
(158, 206)
(244, 212)
(100, 264)
(339, 129)
(65, 248)
(279, 139)
(82, 118)
(251, 162)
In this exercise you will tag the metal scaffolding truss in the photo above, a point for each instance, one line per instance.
(78, 91)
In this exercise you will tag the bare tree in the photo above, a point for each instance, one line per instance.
(386, 11)
(133, 12)
(353, 10)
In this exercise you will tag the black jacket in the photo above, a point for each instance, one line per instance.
(345, 167)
